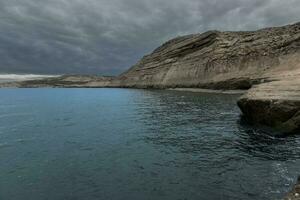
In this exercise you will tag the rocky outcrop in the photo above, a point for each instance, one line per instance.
(212, 60)
(295, 193)
(267, 60)
(216, 60)
(275, 104)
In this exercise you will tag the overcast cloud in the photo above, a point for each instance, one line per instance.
(108, 36)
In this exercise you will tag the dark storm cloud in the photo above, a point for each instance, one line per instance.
(108, 36)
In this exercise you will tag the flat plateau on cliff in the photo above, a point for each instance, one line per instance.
(276, 103)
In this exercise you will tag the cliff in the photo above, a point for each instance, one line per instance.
(217, 60)
(211, 60)
(266, 61)
(275, 104)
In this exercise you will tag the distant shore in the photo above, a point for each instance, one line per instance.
(81, 81)
(8, 78)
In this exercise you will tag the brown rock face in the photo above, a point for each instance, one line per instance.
(216, 60)
(269, 58)
(275, 104)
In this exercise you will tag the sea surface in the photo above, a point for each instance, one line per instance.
(123, 144)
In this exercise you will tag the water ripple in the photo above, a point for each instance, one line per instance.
(131, 144)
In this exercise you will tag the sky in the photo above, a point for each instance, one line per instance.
(106, 37)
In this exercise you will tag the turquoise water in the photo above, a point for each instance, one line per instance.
(69, 144)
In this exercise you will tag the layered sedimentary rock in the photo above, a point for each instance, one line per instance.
(216, 60)
(267, 60)
(275, 104)
(213, 60)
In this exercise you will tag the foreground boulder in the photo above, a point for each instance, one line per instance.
(275, 104)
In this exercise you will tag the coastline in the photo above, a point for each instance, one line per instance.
(263, 66)
(200, 90)
(11, 78)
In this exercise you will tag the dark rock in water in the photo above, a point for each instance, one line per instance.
(232, 60)
(275, 104)
(295, 193)
(269, 58)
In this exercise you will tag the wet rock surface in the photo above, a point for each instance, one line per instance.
(295, 193)
(275, 104)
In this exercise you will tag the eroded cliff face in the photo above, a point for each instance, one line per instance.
(212, 60)
(216, 60)
(267, 58)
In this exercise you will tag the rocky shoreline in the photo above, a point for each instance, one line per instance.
(65, 81)
(264, 62)
(262, 65)
(275, 104)
(294, 194)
